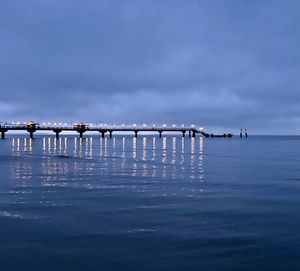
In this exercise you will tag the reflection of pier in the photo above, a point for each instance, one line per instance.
(93, 163)
(103, 129)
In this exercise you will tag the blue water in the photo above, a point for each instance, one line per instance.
(150, 203)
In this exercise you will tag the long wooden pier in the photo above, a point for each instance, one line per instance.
(103, 129)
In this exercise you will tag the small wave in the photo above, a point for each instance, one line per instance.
(141, 230)
(15, 215)
(63, 156)
(11, 215)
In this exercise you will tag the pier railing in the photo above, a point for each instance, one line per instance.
(81, 128)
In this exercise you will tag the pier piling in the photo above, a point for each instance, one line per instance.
(3, 131)
(102, 133)
(57, 132)
(31, 133)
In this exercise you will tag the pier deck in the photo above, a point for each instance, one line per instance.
(81, 128)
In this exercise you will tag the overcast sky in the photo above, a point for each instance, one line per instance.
(219, 64)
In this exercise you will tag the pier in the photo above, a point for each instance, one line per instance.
(103, 129)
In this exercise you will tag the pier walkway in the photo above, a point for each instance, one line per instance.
(81, 128)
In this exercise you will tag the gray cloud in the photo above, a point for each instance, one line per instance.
(223, 65)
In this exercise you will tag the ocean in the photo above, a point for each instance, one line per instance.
(149, 203)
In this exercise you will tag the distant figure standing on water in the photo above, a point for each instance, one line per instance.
(241, 133)
(246, 134)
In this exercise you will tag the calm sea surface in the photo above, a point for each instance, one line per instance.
(149, 203)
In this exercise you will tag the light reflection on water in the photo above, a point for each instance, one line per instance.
(90, 162)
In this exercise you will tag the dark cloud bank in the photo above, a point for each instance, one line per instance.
(220, 64)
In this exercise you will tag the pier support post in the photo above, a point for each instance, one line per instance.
(135, 133)
(110, 133)
(183, 133)
(102, 133)
(57, 131)
(193, 134)
(31, 133)
(160, 132)
(3, 131)
(80, 131)
(189, 133)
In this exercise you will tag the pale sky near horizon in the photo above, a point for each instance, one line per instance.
(224, 64)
